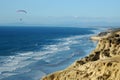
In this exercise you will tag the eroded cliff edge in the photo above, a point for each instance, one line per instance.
(103, 63)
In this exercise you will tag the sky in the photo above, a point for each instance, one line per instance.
(49, 12)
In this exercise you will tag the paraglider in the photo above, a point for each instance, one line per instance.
(21, 12)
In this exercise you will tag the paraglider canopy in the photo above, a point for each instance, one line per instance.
(22, 11)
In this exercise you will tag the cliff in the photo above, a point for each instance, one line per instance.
(103, 63)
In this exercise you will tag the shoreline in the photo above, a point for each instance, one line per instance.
(41, 63)
(98, 65)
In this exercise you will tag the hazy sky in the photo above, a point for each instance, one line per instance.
(59, 11)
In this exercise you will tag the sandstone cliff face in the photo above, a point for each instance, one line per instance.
(103, 63)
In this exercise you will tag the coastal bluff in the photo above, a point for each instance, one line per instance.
(103, 63)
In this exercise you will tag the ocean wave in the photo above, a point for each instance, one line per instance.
(12, 65)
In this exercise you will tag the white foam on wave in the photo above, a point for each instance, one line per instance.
(25, 54)
(15, 63)
(11, 64)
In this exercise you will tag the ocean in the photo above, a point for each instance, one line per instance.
(33, 52)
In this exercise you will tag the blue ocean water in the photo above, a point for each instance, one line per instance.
(32, 52)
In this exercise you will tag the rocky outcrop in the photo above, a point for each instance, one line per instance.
(103, 63)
